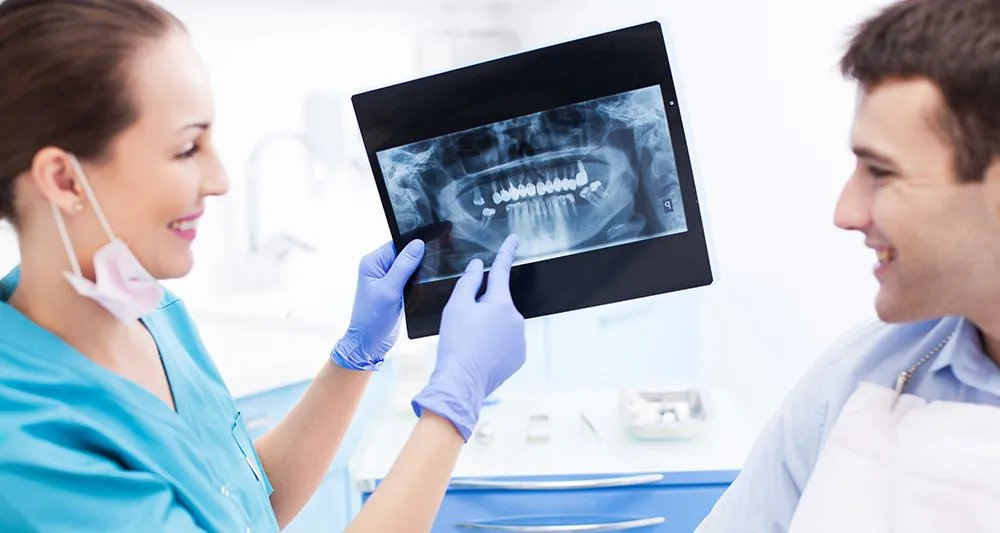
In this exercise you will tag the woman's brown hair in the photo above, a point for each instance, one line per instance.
(64, 77)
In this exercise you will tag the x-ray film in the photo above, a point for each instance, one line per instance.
(577, 148)
(568, 180)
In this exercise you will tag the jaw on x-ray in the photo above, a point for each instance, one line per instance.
(571, 179)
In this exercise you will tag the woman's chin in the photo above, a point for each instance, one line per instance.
(174, 267)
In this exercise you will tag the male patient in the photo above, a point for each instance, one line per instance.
(897, 429)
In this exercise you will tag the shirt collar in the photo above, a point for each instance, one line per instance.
(31, 337)
(8, 283)
(967, 360)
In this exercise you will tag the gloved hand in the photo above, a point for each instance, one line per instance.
(378, 302)
(482, 343)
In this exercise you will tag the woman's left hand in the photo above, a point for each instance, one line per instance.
(378, 303)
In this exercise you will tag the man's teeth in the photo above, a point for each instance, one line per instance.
(884, 256)
(186, 225)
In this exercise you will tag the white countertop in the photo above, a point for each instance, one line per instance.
(573, 449)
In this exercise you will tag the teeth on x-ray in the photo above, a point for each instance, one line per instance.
(528, 188)
(593, 193)
(488, 213)
(581, 175)
(568, 180)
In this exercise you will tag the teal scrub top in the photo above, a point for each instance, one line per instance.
(82, 449)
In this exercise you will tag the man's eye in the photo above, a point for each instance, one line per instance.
(879, 172)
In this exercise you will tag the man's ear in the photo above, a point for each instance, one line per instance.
(54, 175)
(991, 186)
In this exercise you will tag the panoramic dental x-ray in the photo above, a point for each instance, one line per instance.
(572, 179)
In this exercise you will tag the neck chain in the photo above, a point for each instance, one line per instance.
(904, 377)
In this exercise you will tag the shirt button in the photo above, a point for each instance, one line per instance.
(249, 529)
(225, 491)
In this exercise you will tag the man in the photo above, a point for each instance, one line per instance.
(897, 429)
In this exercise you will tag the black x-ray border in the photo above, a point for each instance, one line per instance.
(529, 82)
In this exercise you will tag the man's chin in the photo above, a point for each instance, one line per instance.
(895, 311)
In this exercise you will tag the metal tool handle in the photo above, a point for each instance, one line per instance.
(609, 526)
(581, 484)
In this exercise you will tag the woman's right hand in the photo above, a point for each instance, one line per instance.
(482, 344)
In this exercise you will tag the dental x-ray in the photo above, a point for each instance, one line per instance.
(568, 180)
(577, 148)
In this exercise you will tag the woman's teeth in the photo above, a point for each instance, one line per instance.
(186, 225)
(884, 256)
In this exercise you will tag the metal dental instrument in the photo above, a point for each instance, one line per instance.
(590, 425)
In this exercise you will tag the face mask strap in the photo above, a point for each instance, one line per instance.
(64, 235)
(91, 197)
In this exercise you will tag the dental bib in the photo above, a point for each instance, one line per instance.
(917, 468)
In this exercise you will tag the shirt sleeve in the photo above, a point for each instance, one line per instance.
(47, 487)
(765, 494)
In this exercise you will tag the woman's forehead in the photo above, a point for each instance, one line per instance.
(170, 84)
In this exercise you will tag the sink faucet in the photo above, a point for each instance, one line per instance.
(322, 141)
(261, 265)
(284, 243)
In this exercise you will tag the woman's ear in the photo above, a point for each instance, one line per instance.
(53, 174)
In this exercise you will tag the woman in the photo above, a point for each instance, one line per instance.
(112, 416)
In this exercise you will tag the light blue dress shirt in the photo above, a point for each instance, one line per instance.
(764, 496)
(82, 449)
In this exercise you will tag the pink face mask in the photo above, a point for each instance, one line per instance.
(121, 285)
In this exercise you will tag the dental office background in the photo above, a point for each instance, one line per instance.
(767, 117)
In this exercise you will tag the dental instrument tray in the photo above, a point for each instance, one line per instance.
(578, 148)
(663, 414)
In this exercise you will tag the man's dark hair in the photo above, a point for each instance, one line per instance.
(954, 44)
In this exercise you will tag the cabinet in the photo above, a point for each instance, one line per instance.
(643, 503)
(578, 479)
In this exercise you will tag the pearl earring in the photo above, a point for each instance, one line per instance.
(78, 207)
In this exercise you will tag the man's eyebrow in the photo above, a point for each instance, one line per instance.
(872, 155)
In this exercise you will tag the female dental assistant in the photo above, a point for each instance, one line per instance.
(112, 415)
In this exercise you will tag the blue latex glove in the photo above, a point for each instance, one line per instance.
(378, 303)
(482, 344)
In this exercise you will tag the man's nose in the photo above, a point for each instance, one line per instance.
(853, 211)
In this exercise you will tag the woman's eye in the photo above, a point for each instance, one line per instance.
(190, 152)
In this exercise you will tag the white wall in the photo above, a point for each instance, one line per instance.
(767, 118)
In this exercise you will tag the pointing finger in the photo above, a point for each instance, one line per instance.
(499, 282)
